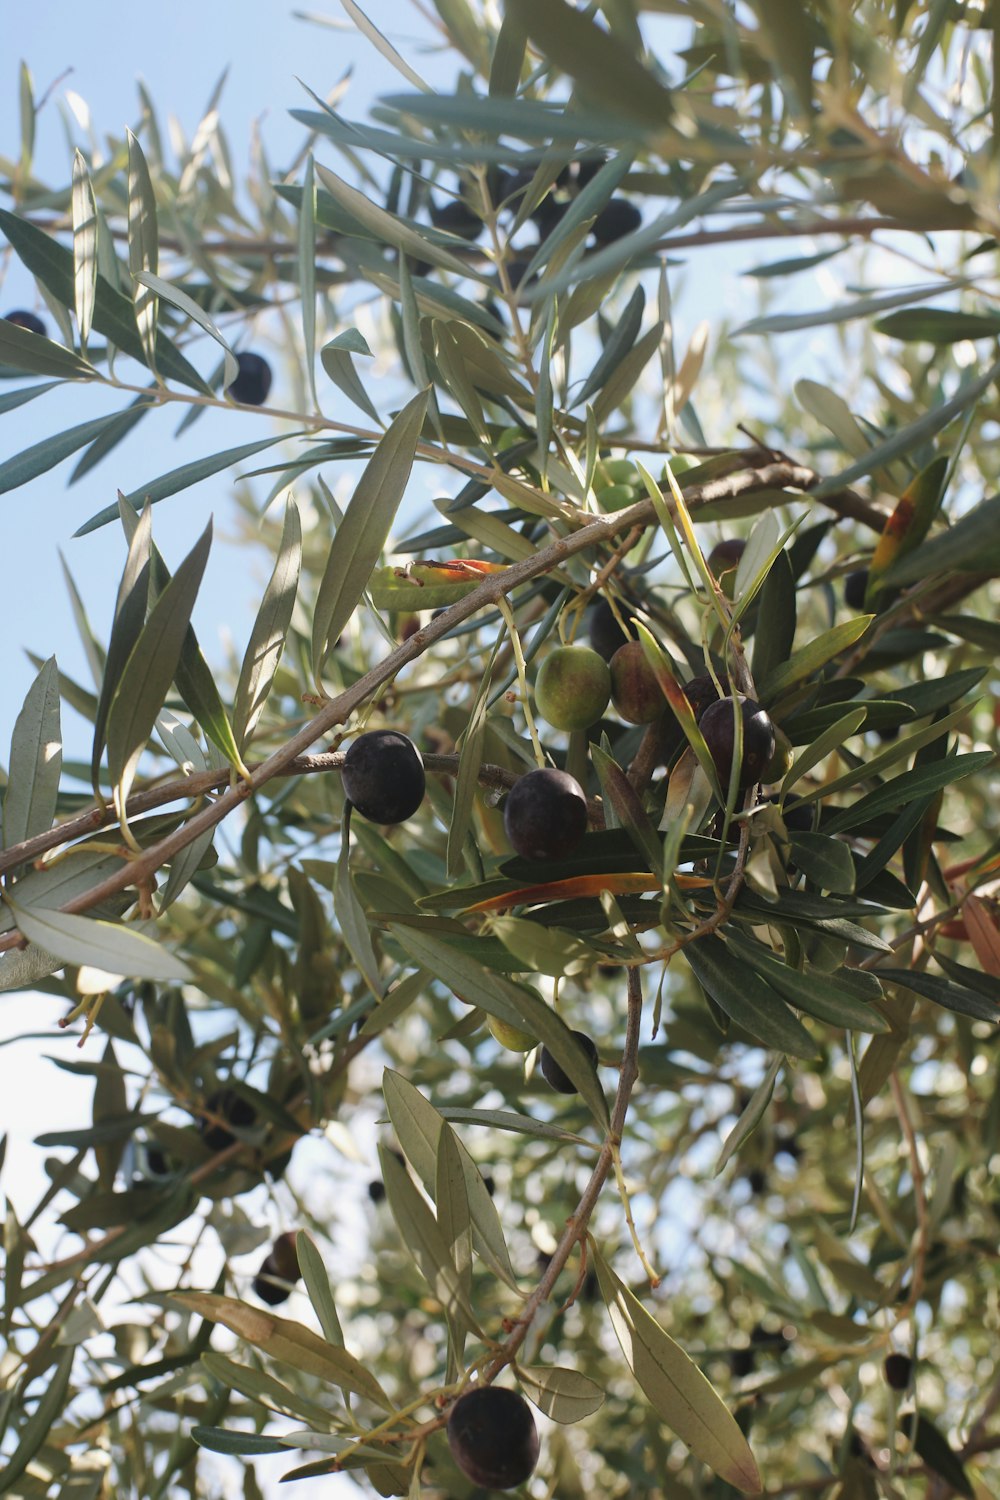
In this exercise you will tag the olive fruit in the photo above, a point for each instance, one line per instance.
(855, 588)
(617, 218)
(897, 1368)
(555, 1075)
(280, 1266)
(701, 692)
(383, 776)
(545, 815)
(606, 635)
(797, 815)
(253, 380)
(510, 1036)
(635, 691)
(586, 170)
(230, 1106)
(723, 560)
(781, 759)
(493, 1437)
(572, 687)
(26, 320)
(457, 218)
(717, 727)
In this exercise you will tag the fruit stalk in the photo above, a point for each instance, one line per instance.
(576, 1225)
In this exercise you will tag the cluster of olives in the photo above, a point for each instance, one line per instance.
(617, 218)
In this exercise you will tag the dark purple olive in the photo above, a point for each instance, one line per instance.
(253, 382)
(493, 1437)
(718, 728)
(28, 320)
(555, 1075)
(545, 815)
(383, 776)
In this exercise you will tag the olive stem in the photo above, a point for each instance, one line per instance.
(503, 604)
(576, 1226)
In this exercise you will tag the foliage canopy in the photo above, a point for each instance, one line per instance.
(694, 1261)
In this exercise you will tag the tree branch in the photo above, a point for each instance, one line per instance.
(338, 710)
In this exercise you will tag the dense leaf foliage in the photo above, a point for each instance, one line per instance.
(683, 1111)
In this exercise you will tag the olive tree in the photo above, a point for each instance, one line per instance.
(668, 987)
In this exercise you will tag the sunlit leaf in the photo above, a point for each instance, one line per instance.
(362, 533)
(679, 1393)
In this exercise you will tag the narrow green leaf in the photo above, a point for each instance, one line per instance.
(619, 792)
(451, 1199)
(390, 230)
(143, 245)
(177, 480)
(289, 1342)
(37, 1428)
(236, 1444)
(828, 997)
(43, 456)
(418, 1128)
(145, 681)
(510, 1002)
(103, 945)
(825, 861)
(13, 399)
(502, 1119)
(908, 439)
(843, 312)
(424, 1241)
(895, 752)
(318, 1288)
(776, 617)
(956, 997)
(270, 628)
(338, 364)
(969, 546)
(35, 354)
(508, 59)
(836, 416)
(563, 1395)
(831, 739)
(351, 918)
(190, 308)
(307, 272)
(130, 615)
(675, 1387)
(808, 659)
(362, 533)
(900, 789)
(29, 804)
(196, 683)
(747, 998)
(602, 66)
(114, 315)
(938, 325)
(752, 1115)
(623, 336)
(84, 246)
(382, 44)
